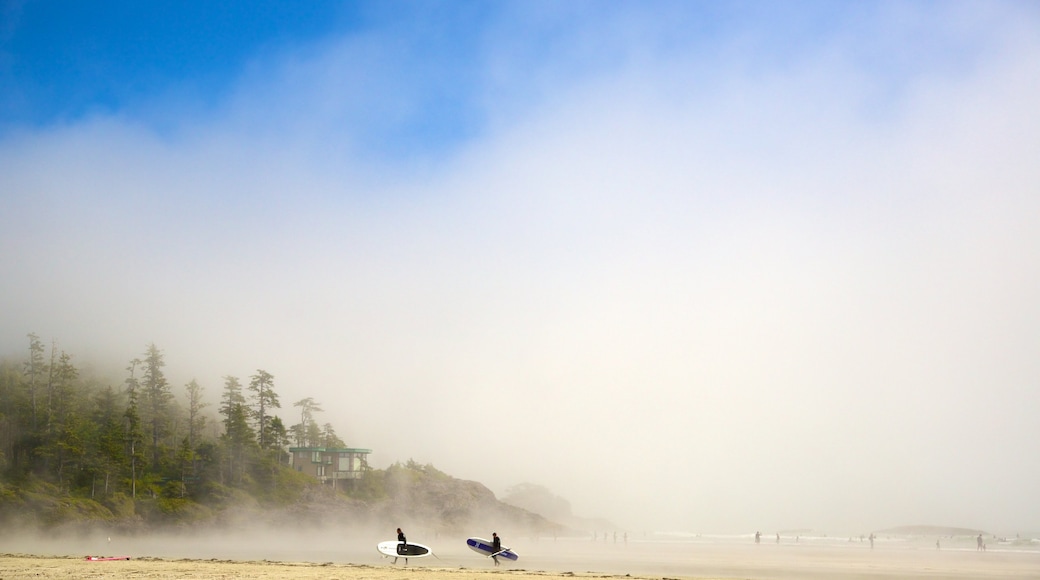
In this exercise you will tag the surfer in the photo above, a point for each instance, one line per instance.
(402, 546)
(496, 547)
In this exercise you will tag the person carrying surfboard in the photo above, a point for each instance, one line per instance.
(402, 548)
(496, 547)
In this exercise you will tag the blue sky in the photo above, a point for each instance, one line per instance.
(65, 59)
(159, 61)
(793, 243)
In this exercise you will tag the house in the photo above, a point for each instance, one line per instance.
(329, 464)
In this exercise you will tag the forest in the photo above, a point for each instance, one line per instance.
(75, 446)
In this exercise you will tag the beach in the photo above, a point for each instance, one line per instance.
(550, 560)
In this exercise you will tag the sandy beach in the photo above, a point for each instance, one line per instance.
(547, 560)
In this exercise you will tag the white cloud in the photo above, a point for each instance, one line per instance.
(776, 299)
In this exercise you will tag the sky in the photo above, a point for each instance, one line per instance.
(711, 267)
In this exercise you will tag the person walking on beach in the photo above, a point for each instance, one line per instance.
(402, 546)
(758, 537)
(978, 542)
(496, 546)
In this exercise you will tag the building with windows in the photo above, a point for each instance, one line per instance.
(330, 464)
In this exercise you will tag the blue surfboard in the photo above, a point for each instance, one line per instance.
(482, 546)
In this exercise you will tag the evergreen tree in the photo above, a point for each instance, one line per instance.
(65, 442)
(63, 390)
(109, 458)
(277, 437)
(35, 368)
(50, 388)
(196, 421)
(10, 387)
(329, 437)
(133, 435)
(232, 397)
(155, 400)
(307, 407)
(314, 438)
(239, 439)
(264, 399)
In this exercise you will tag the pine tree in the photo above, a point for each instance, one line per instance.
(329, 438)
(239, 439)
(35, 368)
(231, 398)
(155, 400)
(66, 441)
(196, 421)
(307, 407)
(264, 399)
(134, 442)
(108, 456)
(133, 436)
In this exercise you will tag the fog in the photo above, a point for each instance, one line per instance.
(689, 288)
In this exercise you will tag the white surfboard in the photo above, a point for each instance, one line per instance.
(394, 549)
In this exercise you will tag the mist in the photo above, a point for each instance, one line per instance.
(690, 288)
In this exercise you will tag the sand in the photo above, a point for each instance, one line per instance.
(574, 560)
(45, 567)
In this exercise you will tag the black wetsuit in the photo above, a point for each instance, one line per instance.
(402, 548)
(496, 547)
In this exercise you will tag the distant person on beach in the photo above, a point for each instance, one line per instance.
(871, 540)
(979, 544)
(758, 537)
(778, 538)
(496, 546)
(402, 546)
(937, 544)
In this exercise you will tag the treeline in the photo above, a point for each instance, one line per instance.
(138, 438)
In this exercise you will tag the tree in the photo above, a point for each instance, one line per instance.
(155, 398)
(264, 399)
(239, 438)
(109, 456)
(34, 370)
(313, 437)
(63, 389)
(230, 399)
(66, 438)
(50, 385)
(277, 437)
(307, 407)
(11, 398)
(329, 438)
(238, 435)
(134, 441)
(196, 421)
